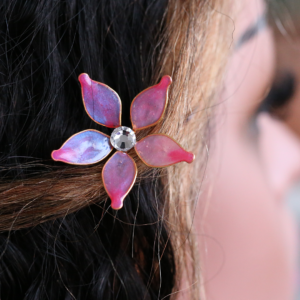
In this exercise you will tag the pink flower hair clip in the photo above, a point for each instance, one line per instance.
(87, 147)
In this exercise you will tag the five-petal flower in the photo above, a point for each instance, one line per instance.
(103, 105)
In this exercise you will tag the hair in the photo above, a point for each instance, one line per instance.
(59, 237)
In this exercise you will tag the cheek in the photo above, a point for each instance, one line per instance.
(248, 238)
(279, 150)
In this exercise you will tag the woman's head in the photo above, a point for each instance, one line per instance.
(248, 238)
(60, 239)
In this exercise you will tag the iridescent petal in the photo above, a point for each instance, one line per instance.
(148, 107)
(101, 103)
(84, 148)
(160, 150)
(119, 174)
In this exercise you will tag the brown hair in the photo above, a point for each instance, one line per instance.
(191, 47)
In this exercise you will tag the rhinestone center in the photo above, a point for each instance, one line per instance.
(123, 138)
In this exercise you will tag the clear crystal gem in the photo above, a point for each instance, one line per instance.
(123, 138)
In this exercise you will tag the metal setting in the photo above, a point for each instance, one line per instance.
(123, 138)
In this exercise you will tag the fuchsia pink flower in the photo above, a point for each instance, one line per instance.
(103, 105)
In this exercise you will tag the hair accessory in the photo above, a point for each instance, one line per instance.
(87, 147)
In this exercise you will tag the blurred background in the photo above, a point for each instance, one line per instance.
(285, 18)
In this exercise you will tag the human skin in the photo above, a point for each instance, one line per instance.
(247, 236)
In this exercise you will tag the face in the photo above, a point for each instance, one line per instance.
(246, 233)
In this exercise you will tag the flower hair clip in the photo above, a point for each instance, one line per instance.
(103, 106)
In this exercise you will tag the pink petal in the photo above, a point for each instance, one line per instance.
(84, 148)
(101, 103)
(119, 174)
(159, 150)
(148, 107)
